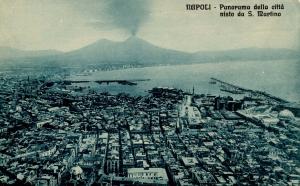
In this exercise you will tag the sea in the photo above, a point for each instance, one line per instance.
(277, 77)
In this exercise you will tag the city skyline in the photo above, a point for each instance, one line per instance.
(149, 92)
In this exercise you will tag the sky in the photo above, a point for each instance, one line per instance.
(71, 24)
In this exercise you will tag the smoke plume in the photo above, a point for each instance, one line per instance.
(127, 14)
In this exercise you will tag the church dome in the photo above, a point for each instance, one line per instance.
(286, 115)
(76, 170)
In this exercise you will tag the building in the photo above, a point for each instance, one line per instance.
(148, 173)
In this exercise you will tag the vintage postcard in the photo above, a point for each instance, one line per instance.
(149, 92)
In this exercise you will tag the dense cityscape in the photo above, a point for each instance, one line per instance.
(52, 133)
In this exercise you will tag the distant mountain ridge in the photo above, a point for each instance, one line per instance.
(138, 51)
(132, 50)
(247, 54)
(9, 53)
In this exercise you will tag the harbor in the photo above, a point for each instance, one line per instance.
(255, 94)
